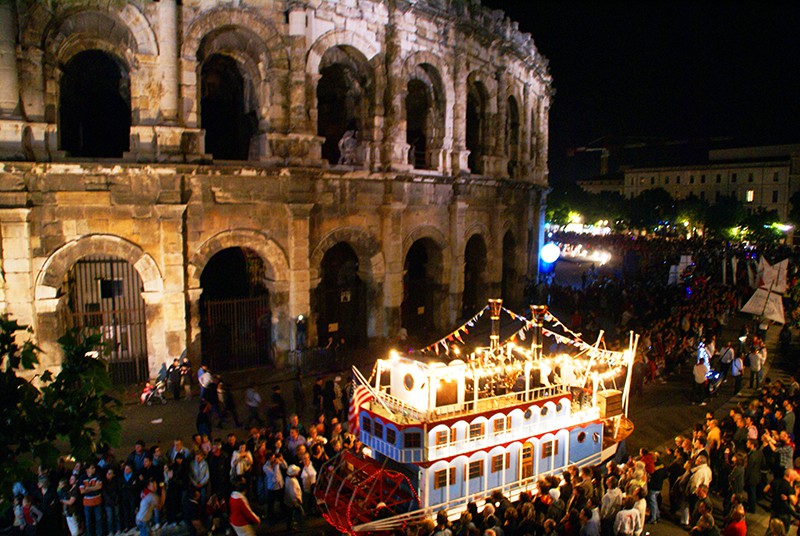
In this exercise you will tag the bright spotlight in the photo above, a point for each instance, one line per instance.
(550, 253)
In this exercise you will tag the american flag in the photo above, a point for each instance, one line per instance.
(361, 395)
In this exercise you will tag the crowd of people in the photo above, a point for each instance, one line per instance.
(218, 484)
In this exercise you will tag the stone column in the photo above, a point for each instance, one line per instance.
(536, 214)
(298, 118)
(299, 269)
(460, 153)
(395, 148)
(392, 238)
(168, 60)
(15, 239)
(9, 78)
(193, 328)
(171, 296)
(452, 311)
(499, 124)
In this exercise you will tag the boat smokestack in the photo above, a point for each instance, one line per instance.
(538, 313)
(495, 306)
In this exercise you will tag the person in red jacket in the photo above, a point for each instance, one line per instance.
(242, 517)
(737, 525)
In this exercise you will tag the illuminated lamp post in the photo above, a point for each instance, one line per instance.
(538, 313)
(495, 306)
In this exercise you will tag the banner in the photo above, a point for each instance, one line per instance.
(768, 303)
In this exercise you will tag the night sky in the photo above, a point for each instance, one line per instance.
(684, 71)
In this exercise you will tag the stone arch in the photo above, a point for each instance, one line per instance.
(478, 228)
(334, 38)
(424, 70)
(223, 17)
(437, 236)
(366, 247)
(43, 24)
(277, 263)
(54, 269)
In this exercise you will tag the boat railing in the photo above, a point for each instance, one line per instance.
(472, 406)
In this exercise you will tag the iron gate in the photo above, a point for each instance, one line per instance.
(104, 297)
(237, 333)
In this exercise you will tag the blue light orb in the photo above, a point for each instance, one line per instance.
(550, 253)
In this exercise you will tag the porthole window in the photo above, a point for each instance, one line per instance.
(528, 414)
(581, 437)
(596, 437)
(408, 381)
(544, 411)
(559, 407)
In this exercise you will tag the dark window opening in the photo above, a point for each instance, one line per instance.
(474, 135)
(341, 299)
(222, 110)
(474, 276)
(512, 137)
(95, 106)
(418, 105)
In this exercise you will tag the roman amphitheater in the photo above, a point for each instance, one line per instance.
(196, 175)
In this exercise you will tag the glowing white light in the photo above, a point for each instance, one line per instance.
(550, 253)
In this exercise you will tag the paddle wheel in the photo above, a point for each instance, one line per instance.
(352, 491)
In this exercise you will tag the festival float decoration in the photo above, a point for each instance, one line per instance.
(456, 421)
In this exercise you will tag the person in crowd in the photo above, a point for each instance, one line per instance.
(242, 517)
(293, 499)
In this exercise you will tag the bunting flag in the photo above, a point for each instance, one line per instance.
(361, 395)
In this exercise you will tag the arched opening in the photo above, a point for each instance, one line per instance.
(417, 123)
(512, 137)
(95, 106)
(476, 110)
(223, 111)
(421, 288)
(510, 283)
(104, 296)
(474, 295)
(341, 299)
(235, 313)
(342, 104)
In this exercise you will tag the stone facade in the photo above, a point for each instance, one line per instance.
(162, 135)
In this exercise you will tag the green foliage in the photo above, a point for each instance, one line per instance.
(650, 208)
(794, 210)
(571, 198)
(74, 408)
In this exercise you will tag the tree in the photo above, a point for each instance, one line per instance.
(726, 214)
(73, 409)
(650, 208)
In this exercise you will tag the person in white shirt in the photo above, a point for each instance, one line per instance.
(308, 478)
(628, 521)
(699, 384)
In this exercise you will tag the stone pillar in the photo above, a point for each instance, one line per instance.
(298, 118)
(392, 239)
(17, 268)
(168, 60)
(500, 133)
(452, 311)
(299, 269)
(536, 214)
(193, 329)
(9, 78)
(395, 149)
(460, 153)
(173, 341)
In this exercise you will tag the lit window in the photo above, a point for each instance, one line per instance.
(750, 195)
(497, 463)
(549, 448)
(476, 431)
(444, 477)
(499, 425)
(475, 469)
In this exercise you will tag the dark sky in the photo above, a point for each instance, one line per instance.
(665, 71)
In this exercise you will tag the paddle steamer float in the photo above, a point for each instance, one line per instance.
(452, 423)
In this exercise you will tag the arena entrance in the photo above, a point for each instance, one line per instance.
(341, 299)
(104, 296)
(474, 296)
(421, 273)
(235, 314)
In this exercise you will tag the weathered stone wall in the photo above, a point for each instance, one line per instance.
(167, 206)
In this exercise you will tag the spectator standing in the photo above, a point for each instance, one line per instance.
(174, 378)
(151, 501)
(91, 487)
(293, 499)
(252, 400)
(186, 376)
(242, 517)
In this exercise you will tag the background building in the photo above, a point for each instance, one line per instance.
(759, 177)
(198, 174)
